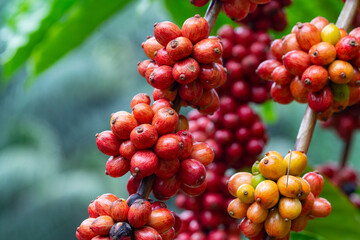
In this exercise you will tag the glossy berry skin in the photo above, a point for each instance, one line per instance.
(199, 3)
(281, 76)
(249, 228)
(238, 179)
(298, 162)
(84, 229)
(119, 210)
(236, 9)
(195, 29)
(193, 191)
(266, 68)
(165, 32)
(159, 104)
(212, 75)
(142, 67)
(289, 44)
(140, 98)
(267, 194)
(256, 213)
(331, 34)
(102, 225)
(143, 163)
(122, 123)
(316, 182)
(281, 93)
(143, 113)
(164, 188)
(272, 168)
(139, 213)
(192, 92)
(121, 231)
(276, 49)
(161, 77)
(165, 120)
(161, 220)
(307, 35)
(321, 208)
(237, 209)
(167, 167)
(179, 48)
(289, 208)
(289, 186)
(127, 149)
(340, 72)
(103, 203)
(275, 225)
(192, 173)
(169, 146)
(315, 78)
(320, 101)
(319, 22)
(146, 233)
(322, 53)
(296, 62)
(186, 71)
(108, 143)
(207, 51)
(188, 144)
(347, 48)
(117, 166)
(307, 204)
(162, 58)
(299, 224)
(203, 153)
(298, 90)
(150, 47)
(143, 136)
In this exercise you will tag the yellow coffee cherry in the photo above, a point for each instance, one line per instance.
(298, 162)
(289, 208)
(272, 168)
(246, 193)
(274, 154)
(330, 34)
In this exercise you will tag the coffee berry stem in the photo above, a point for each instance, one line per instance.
(347, 14)
(346, 150)
(212, 13)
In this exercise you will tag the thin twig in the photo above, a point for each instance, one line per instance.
(212, 13)
(347, 14)
(306, 130)
(346, 150)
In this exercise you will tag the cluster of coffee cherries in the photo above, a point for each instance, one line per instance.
(316, 63)
(345, 123)
(346, 178)
(205, 217)
(269, 16)
(113, 218)
(235, 9)
(235, 132)
(244, 50)
(274, 199)
(152, 140)
(184, 62)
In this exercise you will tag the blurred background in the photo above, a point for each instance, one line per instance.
(66, 66)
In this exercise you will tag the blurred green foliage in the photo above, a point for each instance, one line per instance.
(50, 168)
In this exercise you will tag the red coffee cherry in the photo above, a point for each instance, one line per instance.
(91, 210)
(121, 230)
(103, 203)
(298, 90)
(319, 22)
(108, 143)
(179, 48)
(281, 93)
(161, 77)
(321, 208)
(168, 235)
(165, 120)
(195, 29)
(146, 233)
(139, 213)
(163, 189)
(122, 123)
(236, 9)
(307, 35)
(212, 75)
(166, 31)
(150, 47)
(163, 58)
(84, 229)
(276, 49)
(161, 220)
(296, 62)
(150, 69)
(167, 94)
(143, 163)
(281, 76)
(320, 101)
(266, 68)
(299, 224)
(117, 166)
(322, 53)
(102, 225)
(192, 172)
(144, 136)
(187, 139)
(256, 213)
(191, 92)
(347, 48)
(142, 66)
(119, 210)
(237, 180)
(169, 146)
(249, 228)
(159, 104)
(213, 106)
(127, 149)
(207, 51)
(186, 71)
(143, 113)
(234, 69)
(193, 191)
(275, 225)
(289, 44)
(199, 3)
(316, 182)
(203, 153)
(315, 78)
(167, 167)
(307, 204)
(140, 98)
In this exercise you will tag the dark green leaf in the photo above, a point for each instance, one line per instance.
(304, 235)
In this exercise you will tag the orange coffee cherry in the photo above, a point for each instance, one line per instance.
(237, 209)
(289, 208)
(267, 194)
(256, 213)
(238, 179)
(298, 162)
(289, 186)
(272, 168)
(275, 225)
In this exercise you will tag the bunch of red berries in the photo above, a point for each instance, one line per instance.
(148, 141)
(345, 123)
(235, 9)
(270, 15)
(184, 62)
(205, 216)
(272, 203)
(346, 178)
(244, 50)
(316, 63)
(235, 132)
(113, 218)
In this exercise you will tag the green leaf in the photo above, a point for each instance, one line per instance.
(343, 222)
(268, 112)
(304, 235)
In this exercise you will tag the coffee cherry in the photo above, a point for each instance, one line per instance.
(341, 72)
(320, 101)
(272, 168)
(321, 208)
(316, 182)
(281, 93)
(150, 47)
(193, 191)
(168, 235)
(108, 143)
(179, 48)
(246, 193)
(249, 228)
(281, 76)
(103, 203)
(159, 104)
(299, 224)
(165, 32)
(256, 213)
(162, 57)
(187, 139)
(305, 188)
(236, 180)
(117, 166)
(275, 225)
(139, 213)
(212, 75)
(289, 208)
(142, 67)
(143, 136)
(203, 153)
(146, 233)
(192, 173)
(315, 78)
(322, 53)
(143, 163)
(267, 194)
(143, 113)
(119, 210)
(161, 220)
(347, 48)
(256, 179)
(319, 22)
(133, 185)
(140, 98)
(195, 29)
(102, 225)
(289, 44)
(84, 229)
(307, 35)
(167, 94)
(166, 188)
(92, 211)
(266, 68)
(168, 146)
(165, 120)
(122, 123)
(192, 92)
(161, 77)
(186, 71)
(237, 209)
(298, 162)
(127, 149)
(255, 168)
(289, 186)
(236, 9)
(121, 231)
(199, 3)
(296, 62)
(276, 49)
(330, 34)
(167, 167)
(101, 238)
(340, 91)
(207, 51)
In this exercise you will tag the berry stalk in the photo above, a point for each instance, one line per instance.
(345, 153)
(308, 122)
(212, 13)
